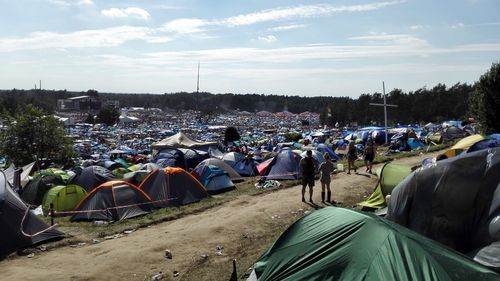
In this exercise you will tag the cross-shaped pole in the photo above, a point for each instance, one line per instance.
(385, 105)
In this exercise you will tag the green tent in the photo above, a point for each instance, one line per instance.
(64, 198)
(389, 176)
(119, 172)
(54, 172)
(343, 244)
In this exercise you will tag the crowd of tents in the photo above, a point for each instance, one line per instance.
(455, 201)
(439, 221)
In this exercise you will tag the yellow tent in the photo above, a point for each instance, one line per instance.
(462, 145)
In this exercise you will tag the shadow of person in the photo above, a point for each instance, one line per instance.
(314, 205)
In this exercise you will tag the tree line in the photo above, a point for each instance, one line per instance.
(423, 105)
(435, 104)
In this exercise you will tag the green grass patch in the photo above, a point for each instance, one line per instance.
(77, 232)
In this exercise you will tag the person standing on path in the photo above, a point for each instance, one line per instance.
(351, 157)
(308, 166)
(369, 152)
(326, 168)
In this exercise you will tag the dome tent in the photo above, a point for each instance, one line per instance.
(342, 244)
(171, 187)
(456, 202)
(20, 228)
(63, 198)
(213, 178)
(91, 177)
(113, 200)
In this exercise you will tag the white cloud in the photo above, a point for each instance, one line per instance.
(185, 26)
(285, 27)
(302, 12)
(268, 38)
(65, 3)
(457, 25)
(419, 27)
(290, 55)
(108, 37)
(193, 25)
(133, 12)
(383, 37)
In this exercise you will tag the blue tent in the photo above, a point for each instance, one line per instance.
(170, 157)
(244, 166)
(323, 148)
(484, 144)
(415, 143)
(213, 178)
(284, 166)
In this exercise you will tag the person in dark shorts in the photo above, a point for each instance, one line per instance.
(351, 157)
(369, 153)
(308, 166)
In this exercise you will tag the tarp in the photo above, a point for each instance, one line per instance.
(19, 228)
(456, 202)
(389, 177)
(181, 140)
(342, 244)
(463, 145)
(171, 187)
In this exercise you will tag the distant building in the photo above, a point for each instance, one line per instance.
(84, 103)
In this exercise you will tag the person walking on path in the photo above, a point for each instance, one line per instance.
(369, 153)
(326, 169)
(351, 157)
(308, 166)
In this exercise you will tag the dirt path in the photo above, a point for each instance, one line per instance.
(244, 227)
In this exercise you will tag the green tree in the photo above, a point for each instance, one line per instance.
(33, 135)
(89, 119)
(108, 115)
(484, 102)
(231, 134)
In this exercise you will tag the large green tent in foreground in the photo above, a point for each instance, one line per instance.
(342, 244)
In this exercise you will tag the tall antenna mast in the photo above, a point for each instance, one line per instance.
(198, 81)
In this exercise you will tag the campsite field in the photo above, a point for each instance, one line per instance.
(202, 244)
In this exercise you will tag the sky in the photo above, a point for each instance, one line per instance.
(306, 48)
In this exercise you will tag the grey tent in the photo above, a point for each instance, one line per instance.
(19, 228)
(455, 202)
(91, 177)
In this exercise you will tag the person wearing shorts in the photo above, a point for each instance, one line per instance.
(369, 154)
(308, 166)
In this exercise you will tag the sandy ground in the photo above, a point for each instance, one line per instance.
(141, 253)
